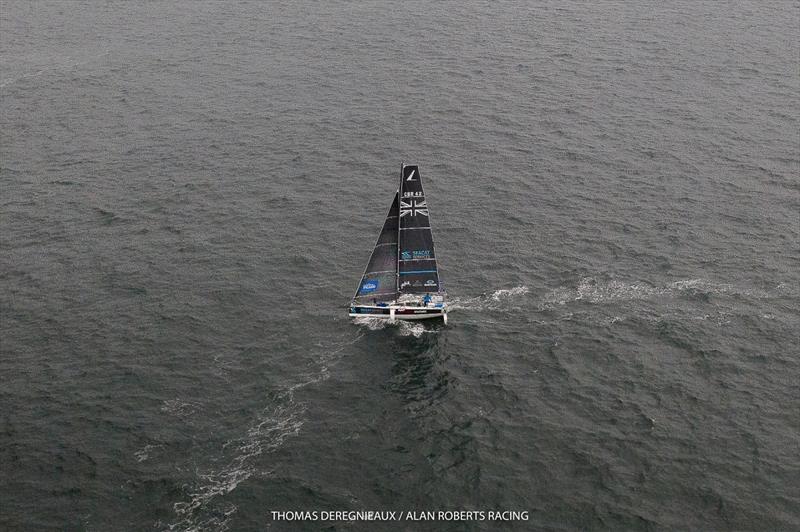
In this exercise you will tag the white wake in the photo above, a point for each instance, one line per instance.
(280, 420)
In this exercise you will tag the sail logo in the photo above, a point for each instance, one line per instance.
(369, 286)
(411, 175)
(404, 284)
(413, 208)
(430, 282)
(417, 254)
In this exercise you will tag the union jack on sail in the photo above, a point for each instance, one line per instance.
(413, 207)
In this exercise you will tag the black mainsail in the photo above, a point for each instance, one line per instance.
(379, 281)
(417, 271)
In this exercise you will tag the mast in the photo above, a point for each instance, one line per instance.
(399, 195)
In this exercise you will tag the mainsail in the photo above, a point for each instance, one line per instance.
(380, 278)
(417, 272)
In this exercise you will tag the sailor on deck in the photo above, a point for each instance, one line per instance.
(426, 300)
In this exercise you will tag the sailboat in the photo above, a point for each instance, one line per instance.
(401, 280)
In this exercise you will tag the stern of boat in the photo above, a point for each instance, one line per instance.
(399, 312)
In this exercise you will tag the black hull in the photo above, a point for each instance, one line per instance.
(403, 313)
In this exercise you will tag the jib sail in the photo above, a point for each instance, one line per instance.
(417, 271)
(380, 278)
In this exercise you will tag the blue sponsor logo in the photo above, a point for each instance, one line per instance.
(369, 286)
(417, 254)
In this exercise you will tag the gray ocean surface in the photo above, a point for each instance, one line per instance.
(190, 192)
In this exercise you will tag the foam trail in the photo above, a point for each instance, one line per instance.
(275, 424)
(180, 408)
(403, 327)
(413, 328)
(144, 453)
(593, 291)
(499, 299)
(498, 295)
(372, 324)
(280, 420)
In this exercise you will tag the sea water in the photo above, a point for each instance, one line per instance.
(190, 191)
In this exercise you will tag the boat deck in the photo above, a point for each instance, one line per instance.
(408, 307)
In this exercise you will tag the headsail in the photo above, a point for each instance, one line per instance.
(379, 281)
(417, 271)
